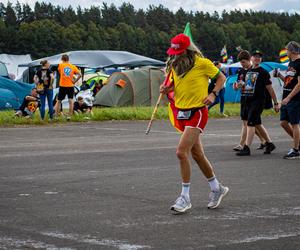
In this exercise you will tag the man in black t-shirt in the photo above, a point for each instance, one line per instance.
(81, 107)
(290, 105)
(29, 104)
(253, 84)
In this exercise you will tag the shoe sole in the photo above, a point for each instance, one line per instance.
(177, 211)
(236, 149)
(242, 154)
(221, 197)
(291, 158)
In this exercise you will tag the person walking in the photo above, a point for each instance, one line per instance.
(43, 79)
(254, 97)
(290, 105)
(189, 75)
(221, 97)
(247, 65)
(66, 71)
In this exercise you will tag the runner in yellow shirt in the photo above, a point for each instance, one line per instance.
(190, 73)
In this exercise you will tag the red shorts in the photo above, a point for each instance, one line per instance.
(198, 120)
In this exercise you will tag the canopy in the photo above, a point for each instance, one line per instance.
(12, 61)
(100, 59)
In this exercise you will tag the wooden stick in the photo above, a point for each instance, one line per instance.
(153, 114)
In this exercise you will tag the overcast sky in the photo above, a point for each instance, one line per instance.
(290, 6)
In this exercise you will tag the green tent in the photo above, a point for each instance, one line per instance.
(138, 87)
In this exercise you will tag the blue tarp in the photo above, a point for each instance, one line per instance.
(232, 95)
(12, 93)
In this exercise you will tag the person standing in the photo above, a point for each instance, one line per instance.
(253, 90)
(221, 97)
(189, 72)
(66, 71)
(290, 105)
(43, 79)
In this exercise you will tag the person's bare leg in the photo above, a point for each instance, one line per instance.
(296, 135)
(200, 158)
(264, 136)
(243, 133)
(71, 107)
(287, 128)
(217, 190)
(250, 135)
(57, 107)
(260, 137)
(187, 140)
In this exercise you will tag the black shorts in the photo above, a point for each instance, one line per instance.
(290, 112)
(63, 91)
(251, 112)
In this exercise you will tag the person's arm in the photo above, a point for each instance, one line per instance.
(77, 78)
(36, 79)
(215, 92)
(31, 98)
(168, 85)
(278, 74)
(273, 96)
(51, 78)
(294, 92)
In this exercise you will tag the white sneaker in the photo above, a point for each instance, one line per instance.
(215, 197)
(182, 204)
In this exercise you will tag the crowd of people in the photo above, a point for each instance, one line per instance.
(69, 75)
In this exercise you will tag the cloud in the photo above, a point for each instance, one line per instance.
(187, 5)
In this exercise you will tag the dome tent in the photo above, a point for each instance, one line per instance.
(138, 87)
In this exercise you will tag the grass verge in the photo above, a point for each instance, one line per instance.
(7, 118)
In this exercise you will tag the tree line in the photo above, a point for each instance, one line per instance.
(46, 29)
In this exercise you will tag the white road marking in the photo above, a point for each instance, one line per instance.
(122, 245)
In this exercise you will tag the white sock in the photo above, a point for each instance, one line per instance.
(214, 183)
(185, 190)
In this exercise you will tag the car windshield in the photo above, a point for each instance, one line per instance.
(3, 70)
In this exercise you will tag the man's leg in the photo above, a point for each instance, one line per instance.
(250, 131)
(269, 145)
(296, 135)
(50, 102)
(287, 128)
(43, 104)
(71, 107)
(189, 137)
(217, 190)
(187, 140)
(222, 100)
(57, 107)
(242, 137)
(250, 135)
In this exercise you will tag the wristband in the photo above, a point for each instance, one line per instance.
(215, 93)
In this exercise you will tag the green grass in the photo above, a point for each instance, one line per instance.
(7, 118)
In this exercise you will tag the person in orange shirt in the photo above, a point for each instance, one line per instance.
(67, 72)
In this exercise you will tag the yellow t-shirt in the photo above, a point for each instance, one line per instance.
(66, 72)
(191, 89)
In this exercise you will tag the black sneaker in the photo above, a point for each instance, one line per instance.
(245, 151)
(269, 148)
(292, 154)
(261, 146)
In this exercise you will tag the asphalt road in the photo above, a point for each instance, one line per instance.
(107, 185)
